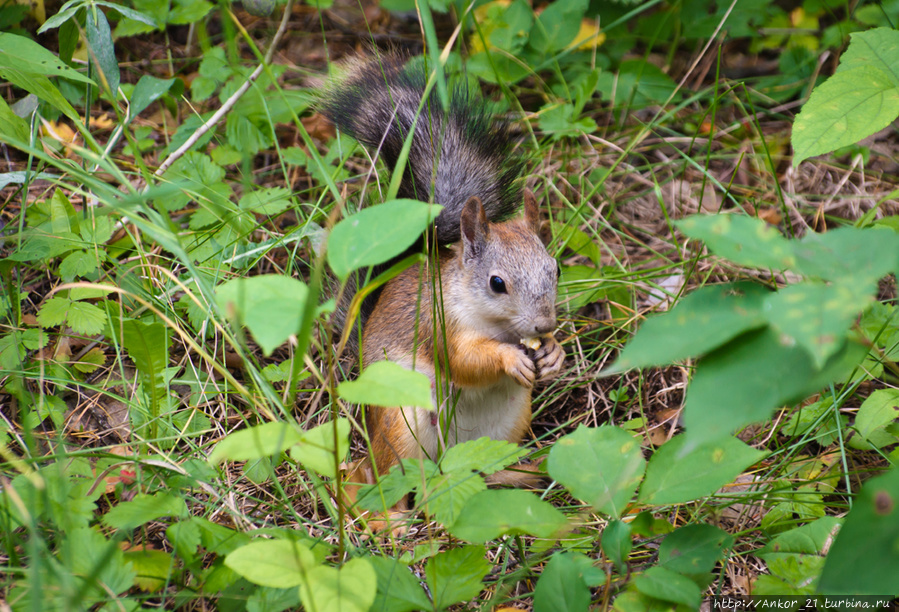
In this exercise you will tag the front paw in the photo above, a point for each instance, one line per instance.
(549, 358)
(518, 365)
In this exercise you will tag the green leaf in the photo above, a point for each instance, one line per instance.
(256, 442)
(398, 588)
(185, 539)
(54, 312)
(700, 322)
(582, 285)
(694, 549)
(578, 241)
(270, 305)
(315, 448)
(388, 384)
(153, 568)
(667, 585)
(102, 52)
(376, 234)
(743, 240)
(494, 513)
(143, 509)
(271, 201)
(849, 106)
(148, 346)
(273, 563)
(677, 474)
(557, 25)
(148, 90)
(77, 263)
(352, 588)
(456, 575)
(746, 379)
(448, 493)
(816, 316)
(484, 455)
(562, 585)
(601, 466)
(637, 84)
(391, 487)
(27, 56)
(864, 559)
(879, 410)
(16, 127)
(616, 543)
(40, 86)
(91, 554)
(812, 539)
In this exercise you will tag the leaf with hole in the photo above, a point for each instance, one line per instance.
(375, 235)
(601, 466)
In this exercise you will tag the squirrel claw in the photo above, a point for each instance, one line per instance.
(549, 358)
(519, 366)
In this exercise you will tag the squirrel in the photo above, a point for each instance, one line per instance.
(464, 317)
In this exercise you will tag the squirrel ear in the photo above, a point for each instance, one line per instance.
(531, 211)
(474, 228)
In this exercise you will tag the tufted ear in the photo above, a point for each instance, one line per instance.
(531, 211)
(474, 228)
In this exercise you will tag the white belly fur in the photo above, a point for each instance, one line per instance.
(469, 414)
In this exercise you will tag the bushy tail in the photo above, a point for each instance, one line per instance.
(453, 155)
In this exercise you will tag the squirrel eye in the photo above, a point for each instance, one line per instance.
(497, 284)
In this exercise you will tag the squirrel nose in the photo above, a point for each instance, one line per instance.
(544, 325)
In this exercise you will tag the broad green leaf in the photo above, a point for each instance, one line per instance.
(399, 590)
(148, 90)
(351, 588)
(878, 48)
(270, 201)
(198, 177)
(54, 312)
(91, 554)
(77, 263)
(27, 56)
(814, 538)
(557, 26)
(269, 305)
(879, 410)
(391, 487)
(745, 380)
(675, 477)
(273, 563)
(153, 568)
(859, 99)
(494, 513)
(184, 537)
(847, 107)
(743, 240)
(638, 83)
(667, 585)
(699, 323)
(694, 549)
(456, 575)
(315, 448)
(484, 455)
(617, 543)
(563, 585)
(143, 509)
(376, 234)
(102, 52)
(388, 384)
(601, 466)
(849, 253)
(448, 493)
(63, 218)
(864, 559)
(255, 442)
(816, 316)
(578, 241)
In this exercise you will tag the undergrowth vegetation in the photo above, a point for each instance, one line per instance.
(178, 222)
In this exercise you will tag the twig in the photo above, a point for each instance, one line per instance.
(230, 102)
